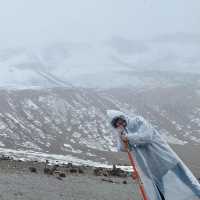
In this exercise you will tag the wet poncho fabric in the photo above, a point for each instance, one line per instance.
(159, 166)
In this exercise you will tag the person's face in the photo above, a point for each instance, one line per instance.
(120, 123)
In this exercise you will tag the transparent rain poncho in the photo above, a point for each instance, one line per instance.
(159, 166)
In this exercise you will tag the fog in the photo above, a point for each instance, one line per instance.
(36, 22)
(93, 35)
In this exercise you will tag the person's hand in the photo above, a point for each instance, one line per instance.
(124, 138)
(120, 130)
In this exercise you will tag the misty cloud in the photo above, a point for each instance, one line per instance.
(126, 46)
(179, 38)
(36, 23)
(61, 41)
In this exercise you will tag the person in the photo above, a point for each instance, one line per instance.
(163, 173)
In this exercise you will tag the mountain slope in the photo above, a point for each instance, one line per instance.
(73, 122)
(91, 65)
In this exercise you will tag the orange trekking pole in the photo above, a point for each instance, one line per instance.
(135, 172)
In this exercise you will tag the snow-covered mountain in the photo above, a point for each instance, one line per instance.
(70, 124)
(126, 62)
(54, 99)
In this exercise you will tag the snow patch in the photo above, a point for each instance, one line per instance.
(171, 139)
(28, 103)
(2, 144)
(76, 135)
(70, 148)
(28, 155)
(30, 145)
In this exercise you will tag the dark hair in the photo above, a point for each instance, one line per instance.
(116, 119)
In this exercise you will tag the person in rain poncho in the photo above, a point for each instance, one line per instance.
(163, 173)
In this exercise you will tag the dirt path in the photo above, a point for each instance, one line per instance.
(41, 187)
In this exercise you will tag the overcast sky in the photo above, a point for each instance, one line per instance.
(77, 39)
(41, 21)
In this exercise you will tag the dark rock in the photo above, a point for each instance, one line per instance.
(80, 171)
(69, 165)
(54, 168)
(118, 172)
(105, 174)
(33, 169)
(48, 171)
(61, 174)
(59, 178)
(73, 170)
(98, 171)
(124, 182)
(5, 157)
(108, 180)
(101, 172)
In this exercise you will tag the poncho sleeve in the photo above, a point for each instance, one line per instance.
(140, 131)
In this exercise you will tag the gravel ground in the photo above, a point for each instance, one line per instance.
(18, 183)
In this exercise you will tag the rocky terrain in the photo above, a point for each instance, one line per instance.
(53, 106)
(34, 180)
(70, 125)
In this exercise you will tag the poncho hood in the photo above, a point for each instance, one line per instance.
(115, 113)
